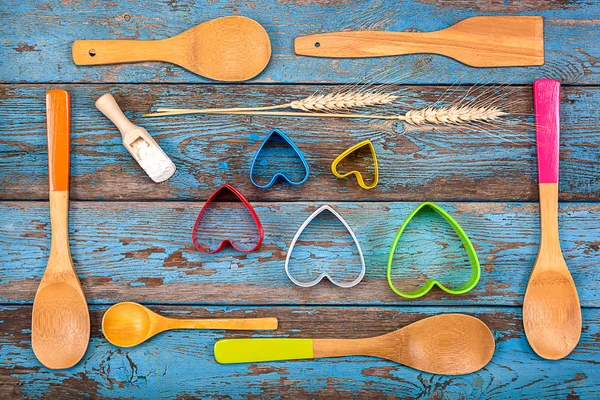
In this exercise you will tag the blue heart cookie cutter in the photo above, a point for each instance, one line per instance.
(279, 174)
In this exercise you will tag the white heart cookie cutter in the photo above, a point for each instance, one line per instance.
(325, 274)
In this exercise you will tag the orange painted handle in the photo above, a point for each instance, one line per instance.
(58, 123)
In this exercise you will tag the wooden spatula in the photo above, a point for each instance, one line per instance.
(551, 310)
(60, 326)
(225, 49)
(450, 344)
(477, 41)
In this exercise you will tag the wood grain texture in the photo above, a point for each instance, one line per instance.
(483, 41)
(60, 325)
(128, 324)
(126, 249)
(143, 252)
(181, 363)
(416, 163)
(141, 145)
(232, 49)
(571, 33)
(551, 308)
(447, 344)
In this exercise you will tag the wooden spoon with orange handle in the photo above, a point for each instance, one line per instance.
(477, 41)
(60, 324)
(224, 49)
(449, 344)
(551, 310)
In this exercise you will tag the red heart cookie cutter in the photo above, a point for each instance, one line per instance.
(224, 243)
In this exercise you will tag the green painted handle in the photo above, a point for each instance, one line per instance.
(233, 351)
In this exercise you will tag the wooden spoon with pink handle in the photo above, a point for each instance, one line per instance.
(551, 310)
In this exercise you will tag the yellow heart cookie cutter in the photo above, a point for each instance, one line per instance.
(358, 175)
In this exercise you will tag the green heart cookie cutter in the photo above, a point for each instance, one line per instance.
(430, 283)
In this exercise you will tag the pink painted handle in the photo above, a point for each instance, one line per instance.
(546, 98)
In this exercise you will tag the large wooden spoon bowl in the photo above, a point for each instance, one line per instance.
(224, 49)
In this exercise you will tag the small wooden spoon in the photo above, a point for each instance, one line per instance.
(60, 324)
(224, 49)
(551, 310)
(129, 324)
(449, 344)
(477, 41)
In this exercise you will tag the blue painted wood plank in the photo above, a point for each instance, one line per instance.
(37, 38)
(181, 363)
(142, 251)
(416, 163)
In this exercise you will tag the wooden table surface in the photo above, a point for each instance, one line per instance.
(131, 239)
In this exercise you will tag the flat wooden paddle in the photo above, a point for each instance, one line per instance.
(449, 344)
(224, 49)
(60, 325)
(477, 41)
(551, 310)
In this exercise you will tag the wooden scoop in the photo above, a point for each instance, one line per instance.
(129, 324)
(223, 49)
(477, 41)
(449, 344)
(142, 147)
(551, 310)
(60, 325)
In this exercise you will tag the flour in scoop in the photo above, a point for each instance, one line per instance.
(153, 160)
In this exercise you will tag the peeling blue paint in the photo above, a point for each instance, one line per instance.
(563, 41)
(121, 249)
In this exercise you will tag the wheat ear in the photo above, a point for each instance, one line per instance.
(342, 101)
(314, 102)
(452, 115)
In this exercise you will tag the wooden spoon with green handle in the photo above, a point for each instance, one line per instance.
(551, 310)
(449, 344)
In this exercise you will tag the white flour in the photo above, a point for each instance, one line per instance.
(153, 160)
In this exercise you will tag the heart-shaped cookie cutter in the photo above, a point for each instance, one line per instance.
(279, 174)
(430, 283)
(325, 274)
(359, 177)
(225, 242)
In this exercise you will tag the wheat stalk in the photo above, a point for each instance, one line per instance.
(329, 105)
(430, 115)
(314, 102)
(342, 101)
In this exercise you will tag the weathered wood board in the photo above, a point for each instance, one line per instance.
(36, 50)
(131, 239)
(180, 364)
(416, 163)
(143, 252)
